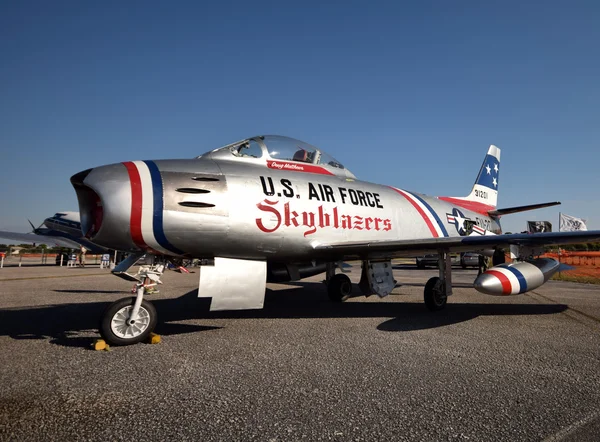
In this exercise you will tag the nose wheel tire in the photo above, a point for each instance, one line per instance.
(117, 328)
(339, 287)
(435, 294)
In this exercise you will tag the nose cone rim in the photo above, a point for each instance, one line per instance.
(77, 179)
(88, 185)
(488, 284)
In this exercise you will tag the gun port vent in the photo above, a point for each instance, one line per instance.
(204, 178)
(195, 204)
(192, 190)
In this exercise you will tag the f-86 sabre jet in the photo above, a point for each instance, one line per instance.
(62, 229)
(276, 209)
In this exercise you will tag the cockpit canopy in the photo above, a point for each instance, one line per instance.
(265, 149)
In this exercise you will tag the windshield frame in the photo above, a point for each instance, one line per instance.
(317, 156)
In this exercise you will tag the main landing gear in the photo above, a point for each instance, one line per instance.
(377, 278)
(439, 288)
(339, 286)
(131, 320)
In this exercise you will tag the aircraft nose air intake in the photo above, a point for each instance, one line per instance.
(89, 204)
(104, 196)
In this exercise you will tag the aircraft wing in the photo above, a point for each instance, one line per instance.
(32, 238)
(416, 247)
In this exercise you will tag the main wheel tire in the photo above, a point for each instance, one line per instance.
(339, 287)
(435, 294)
(116, 329)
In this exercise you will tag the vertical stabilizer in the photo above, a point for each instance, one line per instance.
(484, 195)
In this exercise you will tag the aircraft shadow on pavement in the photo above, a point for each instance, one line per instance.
(64, 324)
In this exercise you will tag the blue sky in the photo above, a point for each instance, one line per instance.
(409, 94)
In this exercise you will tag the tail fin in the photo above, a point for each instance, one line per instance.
(484, 195)
(485, 189)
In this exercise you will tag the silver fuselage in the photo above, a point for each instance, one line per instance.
(216, 206)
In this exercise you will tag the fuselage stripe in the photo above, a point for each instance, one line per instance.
(421, 212)
(520, 278)
(135, 221)
(435, 215)
(147, 211)
(157, 215)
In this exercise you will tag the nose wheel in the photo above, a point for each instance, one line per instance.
(131, 320)
(119, 327)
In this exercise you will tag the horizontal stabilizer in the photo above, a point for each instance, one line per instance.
(500, 212)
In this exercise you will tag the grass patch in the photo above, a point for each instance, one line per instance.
(563, 276)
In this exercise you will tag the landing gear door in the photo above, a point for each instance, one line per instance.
(234, 284)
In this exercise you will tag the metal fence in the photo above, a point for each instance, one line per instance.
(24, 258)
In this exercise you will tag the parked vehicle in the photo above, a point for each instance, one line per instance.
(427, 260)
(65, 258)
(432, 260)
(469, 259)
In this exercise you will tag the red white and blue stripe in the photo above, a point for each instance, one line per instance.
(432, 220)
(512, 280)
(146, 221)
(516, 277)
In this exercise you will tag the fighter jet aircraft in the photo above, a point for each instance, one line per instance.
(272, 208)
(63, 229)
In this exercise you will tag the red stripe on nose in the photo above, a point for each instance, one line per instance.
(135, 221)
(506, 285)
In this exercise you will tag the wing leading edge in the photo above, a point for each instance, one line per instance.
(32, 238)
(410, 248)
(60, 240)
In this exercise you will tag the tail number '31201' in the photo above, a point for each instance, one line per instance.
(481, 193)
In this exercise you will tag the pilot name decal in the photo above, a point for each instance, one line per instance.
(295, 167)
(314, 220)
(322, 192)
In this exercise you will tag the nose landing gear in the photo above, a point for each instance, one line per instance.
(131, 320)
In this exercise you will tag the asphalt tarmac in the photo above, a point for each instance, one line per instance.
(521, 368)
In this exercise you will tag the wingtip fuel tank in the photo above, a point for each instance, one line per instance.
(516, 278)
